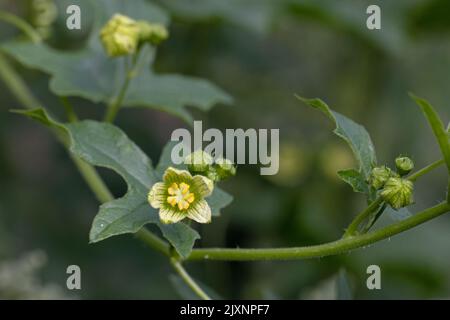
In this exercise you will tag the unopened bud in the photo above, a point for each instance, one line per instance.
(398, 192)
(199, 162)
(225, 168)
(120, 36)
(404, 165)
(379, 176)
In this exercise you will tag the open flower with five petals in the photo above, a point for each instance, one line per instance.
(181, 195)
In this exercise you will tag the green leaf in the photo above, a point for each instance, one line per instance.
(105, 145)
(41, 115)
(218, 200)
(354, 134)
(90, 74)
(437, 126)
(355, 179)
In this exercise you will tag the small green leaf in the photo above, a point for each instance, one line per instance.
(105, 145)
(437, 126)
(355, 179)
(41, 115)
(354, 134)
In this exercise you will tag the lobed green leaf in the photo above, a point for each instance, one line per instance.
(356, 137)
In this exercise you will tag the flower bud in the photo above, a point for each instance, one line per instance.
(398, 192)
(120, 36)
(404, 165)
(225, 168)
(153, 33)
(212, 174)
(379, 176)
(199, 162)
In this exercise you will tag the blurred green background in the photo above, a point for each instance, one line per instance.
(261, 52)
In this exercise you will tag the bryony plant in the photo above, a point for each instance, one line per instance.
(123, 42)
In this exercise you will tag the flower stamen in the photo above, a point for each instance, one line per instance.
(180, 195)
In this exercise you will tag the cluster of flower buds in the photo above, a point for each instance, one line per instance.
(200, 162)
(122, 35)
(395, 189)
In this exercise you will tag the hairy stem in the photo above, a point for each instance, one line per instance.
(327, 249)
(188, 280)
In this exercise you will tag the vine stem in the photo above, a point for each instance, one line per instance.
(327, 249)
(188, 280)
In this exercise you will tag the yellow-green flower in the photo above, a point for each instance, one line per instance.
(120, 36)
(398, 192)
(181, 195)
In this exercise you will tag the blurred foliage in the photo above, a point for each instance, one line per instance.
(262, 53)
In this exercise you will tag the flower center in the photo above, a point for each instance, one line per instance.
(180, 195)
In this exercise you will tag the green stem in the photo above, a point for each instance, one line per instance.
(327, 249)
(22, 25)
(153, 241)
(16, 85)
(93, 180)
(70, 112)
(413, 177)
(114, 107)
(188, 280)
(353, 227)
